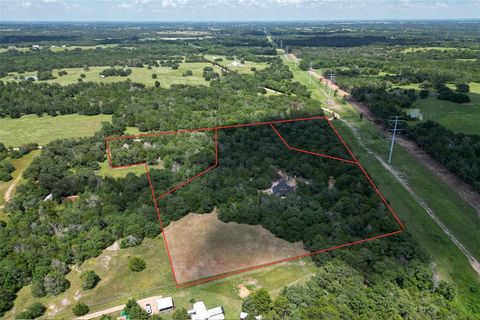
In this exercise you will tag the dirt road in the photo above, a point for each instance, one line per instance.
(10, 189)
(151, 300)
(464, 190)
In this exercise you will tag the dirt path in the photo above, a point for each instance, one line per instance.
(10, 189)
(464, 190)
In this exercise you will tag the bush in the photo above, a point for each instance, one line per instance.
(157, 84)
(154, 76)
(463, 87)
(180, 314)
(89, 279)
(188, 73)
(33, 311)
(136, 264)
(80, 309)
(424, 93)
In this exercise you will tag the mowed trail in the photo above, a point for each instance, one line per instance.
(202, 246)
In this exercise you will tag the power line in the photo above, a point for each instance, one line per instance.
(395, 120)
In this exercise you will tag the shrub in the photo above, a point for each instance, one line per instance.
(136, 264)
(80, 309)
(180, 314)
(154, 76)
(424, 94)
(157, 84)
(33, 311)
(89, 279)
(463, 87)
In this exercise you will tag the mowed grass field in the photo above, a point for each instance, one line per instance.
(166, 75)
(118, 283)
(32, 128)
(457, 117)
(245, 68)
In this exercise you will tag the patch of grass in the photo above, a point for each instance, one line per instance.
(105, 170)
(166, 75)
(118, 283)
(419, 49)
(457, 117)
(31, 128)
(20, 165)
(243, 68)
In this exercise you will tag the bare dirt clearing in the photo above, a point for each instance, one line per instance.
(203, 246)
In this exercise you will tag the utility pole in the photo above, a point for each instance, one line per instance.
(331, 77)
(310, 74)
(394, 120)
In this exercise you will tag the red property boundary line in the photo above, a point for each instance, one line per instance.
(216, 164)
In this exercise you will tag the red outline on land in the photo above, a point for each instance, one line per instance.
(216, 164)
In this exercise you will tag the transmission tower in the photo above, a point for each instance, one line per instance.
(394, 121)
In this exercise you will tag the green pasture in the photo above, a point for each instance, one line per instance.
(32, 128)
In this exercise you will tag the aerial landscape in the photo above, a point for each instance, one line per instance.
(277, 159)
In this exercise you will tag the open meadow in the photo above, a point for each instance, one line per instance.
(457, 117)
(165, 75)
(42, 130)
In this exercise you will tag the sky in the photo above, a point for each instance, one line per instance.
(235, 10)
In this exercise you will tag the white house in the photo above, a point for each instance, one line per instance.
(244, 315)
(200, 312)
(165, 304)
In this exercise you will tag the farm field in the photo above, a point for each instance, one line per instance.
(42, 130)
(166, 75)
(118, 283)
(457, 117)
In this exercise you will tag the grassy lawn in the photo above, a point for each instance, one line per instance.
(105, 170)
(243, 68)
(31, 128)
(118, 283)
(166, 75)
(457, 117)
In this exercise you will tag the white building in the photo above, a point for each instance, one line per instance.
(165, 304)
(200, 312)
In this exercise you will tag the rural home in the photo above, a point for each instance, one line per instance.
(282, 188)
(200, 312)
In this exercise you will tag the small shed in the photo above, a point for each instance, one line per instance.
(165, 304)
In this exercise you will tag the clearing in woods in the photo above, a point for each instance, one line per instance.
(200, 248)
